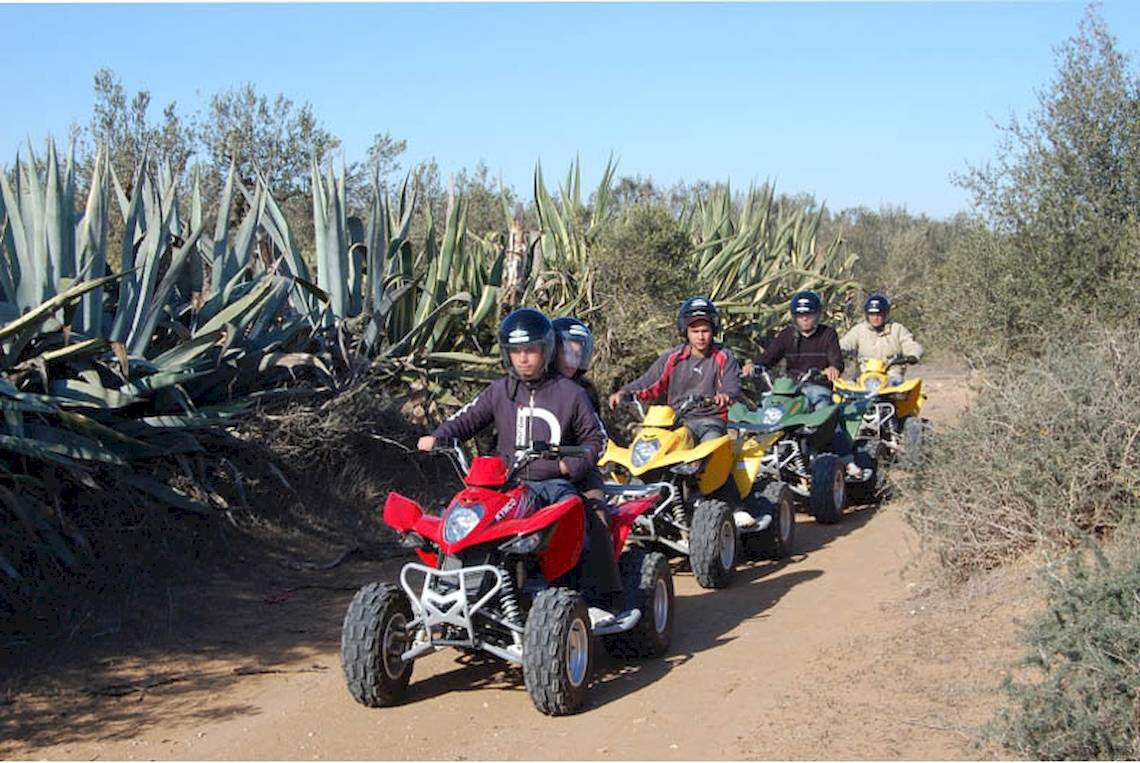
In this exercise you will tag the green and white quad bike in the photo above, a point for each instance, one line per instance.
(804, 455)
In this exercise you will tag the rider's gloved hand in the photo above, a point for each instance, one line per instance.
(427, 442)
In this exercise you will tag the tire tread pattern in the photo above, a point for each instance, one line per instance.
(544, 658)
(361, 647)
(822, 498)
(704, 543)
(640, 571)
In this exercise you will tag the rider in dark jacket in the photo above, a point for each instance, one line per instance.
(805, 344)
(533, 403)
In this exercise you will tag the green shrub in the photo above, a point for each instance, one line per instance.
(1048, 454)
(1059, 206)
(644, 274)
(1085, 653)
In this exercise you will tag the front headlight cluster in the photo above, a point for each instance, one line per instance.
(772, 415)
(873, 385)
(524, 544)
(644, 451)
(461, 520)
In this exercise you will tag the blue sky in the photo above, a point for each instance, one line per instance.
(857, 103)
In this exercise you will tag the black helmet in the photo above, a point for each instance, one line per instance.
(877, 303)
(573, 330)
(804, 302)
(694, 309)
(526, 327)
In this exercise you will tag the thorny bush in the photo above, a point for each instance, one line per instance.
(1048, 455)
(1082, 700)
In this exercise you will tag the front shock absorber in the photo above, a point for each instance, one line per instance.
(679, 517)
(509, 600)
(798, 463)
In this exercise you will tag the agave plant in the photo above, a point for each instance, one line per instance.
(563, 275)
(197, 332)
(752, 260)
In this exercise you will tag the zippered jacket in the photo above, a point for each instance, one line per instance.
(553, 409)
(680, 372)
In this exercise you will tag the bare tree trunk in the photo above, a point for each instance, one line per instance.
(515, 264)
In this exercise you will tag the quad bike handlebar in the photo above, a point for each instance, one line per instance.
(901, 360)
(692, 402)
(454, 451)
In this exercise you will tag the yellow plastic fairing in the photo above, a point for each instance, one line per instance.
(749, 454)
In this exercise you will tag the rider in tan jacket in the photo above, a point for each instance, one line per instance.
(880, 337)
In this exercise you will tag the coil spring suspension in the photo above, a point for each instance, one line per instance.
(798, 462)
(509, 600)
(679, 514)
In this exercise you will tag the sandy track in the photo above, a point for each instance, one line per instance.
(838, 652)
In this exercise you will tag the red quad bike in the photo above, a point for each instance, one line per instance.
(503, 576)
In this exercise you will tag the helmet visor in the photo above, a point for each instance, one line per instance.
(574, 352)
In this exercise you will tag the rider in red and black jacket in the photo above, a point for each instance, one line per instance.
(698, 367)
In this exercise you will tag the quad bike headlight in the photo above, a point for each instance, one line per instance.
(644, 451)
(873, 385)
(772, 415)
(525, 544)
(461, 520)
(689, 469)
(410, 539)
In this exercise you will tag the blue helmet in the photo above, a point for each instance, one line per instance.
(877, 304)
(697, 309)
(526, 327)
(805, 302)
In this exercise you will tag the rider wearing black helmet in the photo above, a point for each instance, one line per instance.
(806, 344)
(534, 403)
(880, 337)
(698, 367)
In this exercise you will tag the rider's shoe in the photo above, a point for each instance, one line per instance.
(743, 519)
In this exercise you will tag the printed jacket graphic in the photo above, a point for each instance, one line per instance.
(553, 409)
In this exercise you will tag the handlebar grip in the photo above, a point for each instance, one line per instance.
(571, 451)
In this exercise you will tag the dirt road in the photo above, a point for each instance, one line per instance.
(840, 652)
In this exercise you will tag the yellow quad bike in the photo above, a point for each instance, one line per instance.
(719, 497)
(891, 408)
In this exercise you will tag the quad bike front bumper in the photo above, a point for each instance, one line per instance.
(445, 604)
